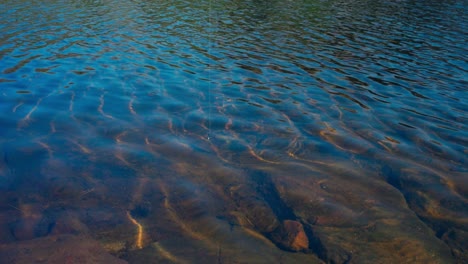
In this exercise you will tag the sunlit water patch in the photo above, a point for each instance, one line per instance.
(233, 131)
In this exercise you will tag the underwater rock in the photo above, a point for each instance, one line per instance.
(257, 211)
(349, 218)
(57, 249)
(436, 199)
(291, 236)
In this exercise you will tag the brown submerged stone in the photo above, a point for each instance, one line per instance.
(291, 236)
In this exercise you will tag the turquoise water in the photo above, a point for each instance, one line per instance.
(234, 131)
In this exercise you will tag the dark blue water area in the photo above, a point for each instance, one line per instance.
(241, 131)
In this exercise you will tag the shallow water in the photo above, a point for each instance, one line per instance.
(234, 131)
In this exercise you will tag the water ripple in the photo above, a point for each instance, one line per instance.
(316, 91)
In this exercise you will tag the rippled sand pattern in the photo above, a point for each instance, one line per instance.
(233, 131)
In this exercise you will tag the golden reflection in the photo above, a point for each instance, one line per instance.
(290, 122)
(173, 214)
(139, 238)
(392, 140)
(184, 145)
(218, 153)
(82, 148)
(346, 143)
(389, 144)
(245, 223)
(47, 147)
(252, 152)
(294, 146)
(197, 136)
(120, 157)
(166, 254)
(452, 185)
(118, 138)
(150, 147)
(294, 156)
(329, 129)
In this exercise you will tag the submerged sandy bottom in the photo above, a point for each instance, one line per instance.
(183, 206)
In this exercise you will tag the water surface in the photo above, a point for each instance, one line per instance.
(234, 131)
